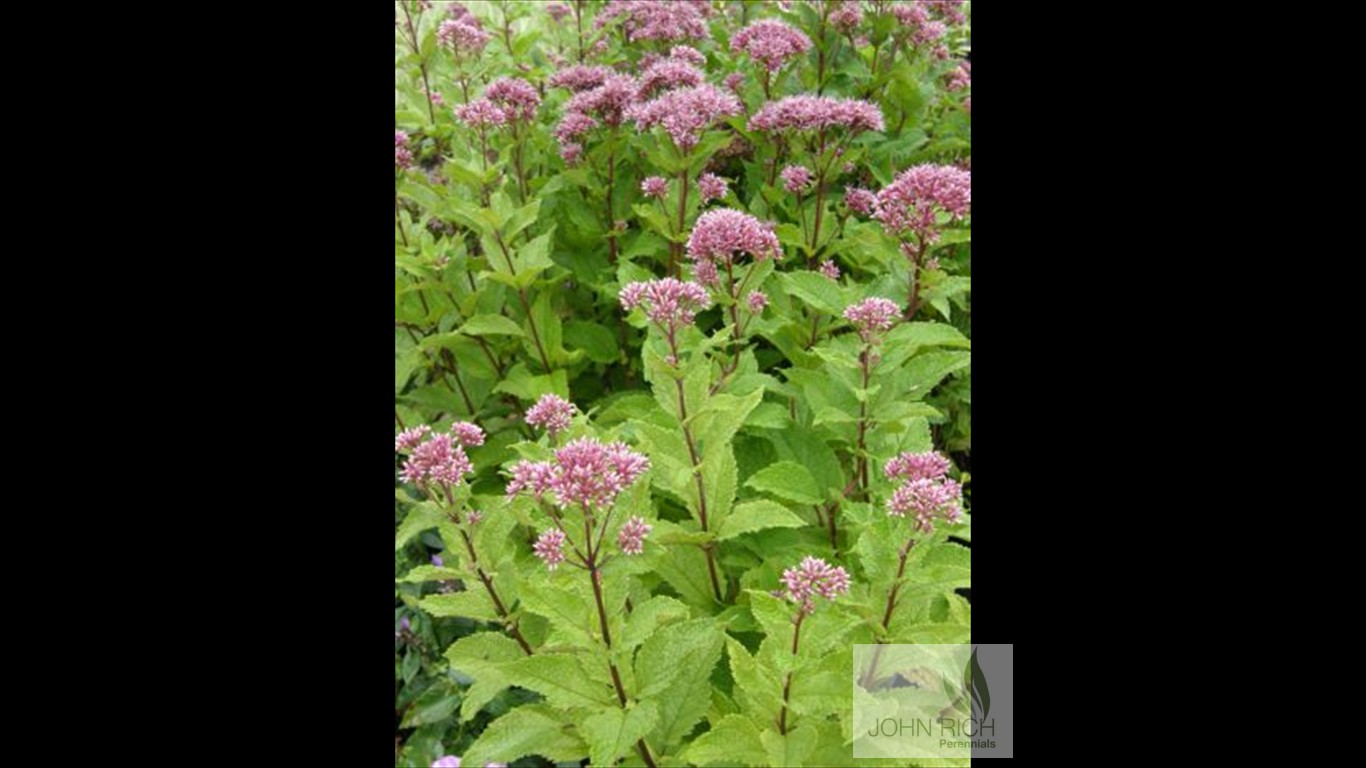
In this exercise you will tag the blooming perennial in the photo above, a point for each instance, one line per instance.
(711, 186)
(551, 413)
(812, 113)
(721, 233)
(585, 472)
(631, 537)
(926, 491)
(911, 202)
(684, 113)
(770, 42)
(812, 578)
(668, 303)
(873, 317)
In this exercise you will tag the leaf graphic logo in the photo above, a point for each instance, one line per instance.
(975, 682)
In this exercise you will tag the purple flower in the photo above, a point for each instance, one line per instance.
(437, 561)
(860, 201)
(439, 460)
(474, 517)
(770, 42)
(631, 537)
(408, 439)
(721, 233)
(830, 269)
(465, 34)
(580, 77)
(846, 15)
(685, 113)
(811, 113)
(550, 548)
(711, 186)
(704, 272)
(530, 475)
(584, 472)
(480, 113)
(795, 178)
(756, 300)
(656, 19)
(910, 203)
(608, 101)
(733, 82)
(667, 74)
(558, 11)
(688, 54)
(654, 186)
(668, 303)
(467, 434)
(960, 77)
(517, 98)
(404, 624)
(551, 413)
(872, 317)
(570, 153)
(403, 158)
(814, 577)
(930, 465)
(924, 499)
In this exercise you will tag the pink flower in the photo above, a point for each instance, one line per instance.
(860, 201)
(550, 548)
(558, 11)
(723, 232)
(668, 74)
(592, 474)
(403, 158)
(872, 317)
(436, 99)
(467, 434)
(930, 465)
(474, 516)
(733, 82)
(916, 195)
(814, 577)
(756, 300)
(464, 34)
(925, 499)
(795, 178)
(830, 269)
(654, 186)
(439, 460)
(685, 112)
(688, 54)
(608, 101)
(655, 19)
(530, 475)
(669, 303)
(448, 761)
(810, 113)
(770, 42)
(517, 98)
(551, 413)
(631, 537)
(704, 272)
(408, 439)
(571, 152)
(960, 77)
(846, 15)
(480, 113)
(711, 186)
(572, 126)
(580, 77)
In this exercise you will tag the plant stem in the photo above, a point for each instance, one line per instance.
(697, 470)
(870, 676)
(526, 305)
(455, 371)
(682, 214)
(611, 215)
(913, 303)
(398, 220)
(787, 680)
(421, 61)
(860, 460)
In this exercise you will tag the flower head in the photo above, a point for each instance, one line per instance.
(480, 113)
(404, 624)
(930, 465)
(530, 475)
(860, 201)
(830, 269)
(654, 186)
(910, 203)
(572, 126)
(814, 577)
(437, 561)
(580, 77)
(770, 42)
(711, 186)
(408, 439)
(721, 233)
(589, 473)
(733, 81)
(464, 34)
(810, 113)
(756, 300)
(551, 413)
(666, 74)
(656, 19)
(688, 54)
(474, 516)
(440, 459)
(872, 317)
(684, 113)
(403, 158)
(558, 11)
(631, 537)
(960, 77)
(924, 499)
(795, 178)
(550, 548)
(846, 15)
(517, 98)
(669, 303)
(608, 101)
(467, 434)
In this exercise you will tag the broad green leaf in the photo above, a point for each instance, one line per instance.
(675, 651)
(817, 290)
(792, 748)
(426, 572)
(421, 517)
(470, 604)
(595, 340)
(434, 705)
(649, 616)
(788, 480)
(613, 733)
(757, 516)
(491, 325)
(732, 741)
(563, 680)
(531, 729)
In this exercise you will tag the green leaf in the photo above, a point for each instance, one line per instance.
(434, 705)
(757, 516)
(676, 651)
(468, 604)
(481, 657)
(426, 572)
(563, 680)
(732, 741)
(531, 729)
(521, 219)
(815, 289)
(788, 480)
(791, 749)
(491, 325)
(421, 517)
(613, 733)
(595, 340)
(649, 616)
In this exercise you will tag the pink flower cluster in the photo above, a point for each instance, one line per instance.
(558, 11)
(830, 269)
(572, 126)
(947, 10)
(926, 492)
(688, 54)
(711, 186)
(656, 19)
(403, 158)
(721, 233)
(654, 186)
(810, 113)
(463, 33)
(872, 317)
(550, 548)
(517, 98)
(770, 42)
(860, 201)
(811, 578)
(845, 15)
(551, 413)
(467, 434)
(631, 537)
(580, 77)
(685, 112)
(669, 303)
(608, 100)
(408, 439)
(795, 178)
(916, 195)
(960, 77)
(757, 300)
(733, 82)
(585, 472)
(480, 114)
(440, 460)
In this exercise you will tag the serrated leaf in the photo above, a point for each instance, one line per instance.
(421, 517)
(732, 741)
(469, 604)
(756, 516)
(792, 748)
(596, 341)
(649, 616)
(421, 573)
(531, 729)
(674, 651)
(817, 290)
(614, 732)
(788, 480)
(563, 680)
(491, 325)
